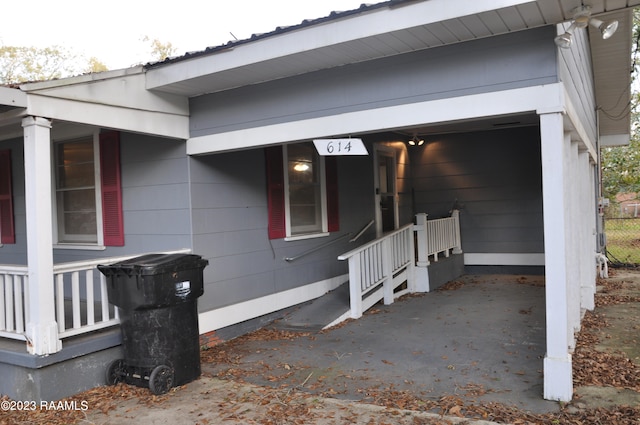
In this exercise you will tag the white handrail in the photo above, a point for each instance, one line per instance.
(439, 236)
(378, 267)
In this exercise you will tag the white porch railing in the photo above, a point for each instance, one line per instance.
(436, 237)
(377, 268)
(81, 298)
(14, 312)
(81, 302)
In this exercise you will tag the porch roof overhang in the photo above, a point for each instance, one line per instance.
(395, 27)
(113, 99)
(13, 105)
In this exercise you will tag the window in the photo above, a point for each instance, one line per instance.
(7, 231)
(305, 186)
(87, 191)
(302, 191)
(77, 197)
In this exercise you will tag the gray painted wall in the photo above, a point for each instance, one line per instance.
(16, 253)
(526, 58)
(496, 179)
(155, 187)
(229, 195)
(155, 199)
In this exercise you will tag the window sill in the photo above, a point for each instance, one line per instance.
(307, 236)
(85, 247)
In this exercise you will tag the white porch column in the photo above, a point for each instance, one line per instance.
(588, 243)
(555, 146)
(42, 330)
(421, 269)
(575, 224)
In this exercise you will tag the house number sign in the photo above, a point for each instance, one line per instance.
(335, 147)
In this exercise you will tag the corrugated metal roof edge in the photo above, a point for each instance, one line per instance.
(364, 7)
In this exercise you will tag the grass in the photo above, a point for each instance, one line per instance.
(623, 239)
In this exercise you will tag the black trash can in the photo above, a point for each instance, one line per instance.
(157, 298)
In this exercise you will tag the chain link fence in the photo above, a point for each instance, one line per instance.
(622, 227)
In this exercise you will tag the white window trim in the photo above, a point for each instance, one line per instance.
(323, 201)
(99, 244)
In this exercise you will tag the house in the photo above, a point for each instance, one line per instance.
(475, 106)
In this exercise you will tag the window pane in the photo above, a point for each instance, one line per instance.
(79, 200)
(75, 165)
(76, 192)
(303, 172)
(80, 227)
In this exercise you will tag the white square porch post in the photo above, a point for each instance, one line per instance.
(42, 330)
(555, 149)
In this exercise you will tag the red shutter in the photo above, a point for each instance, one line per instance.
(112, 220)
(275, 192)
(331, 174)
(7, 230)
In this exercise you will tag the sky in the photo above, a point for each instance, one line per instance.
(113, 30)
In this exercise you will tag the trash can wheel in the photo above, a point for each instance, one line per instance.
(116, 372)
(161, 379)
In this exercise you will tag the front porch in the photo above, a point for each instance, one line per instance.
(85, 330)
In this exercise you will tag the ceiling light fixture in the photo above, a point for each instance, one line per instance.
(416, 141)
(581, 19)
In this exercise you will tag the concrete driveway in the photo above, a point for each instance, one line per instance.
(481, 338)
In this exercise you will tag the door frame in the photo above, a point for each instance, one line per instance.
(381, 150)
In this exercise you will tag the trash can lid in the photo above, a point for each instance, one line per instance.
(151, 264)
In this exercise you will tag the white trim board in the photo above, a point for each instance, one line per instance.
(503, 259)
(240, 312)
(549, 97)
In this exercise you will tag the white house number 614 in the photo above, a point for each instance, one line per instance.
(350, 146)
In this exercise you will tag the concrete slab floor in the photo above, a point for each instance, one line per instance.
(483, 339)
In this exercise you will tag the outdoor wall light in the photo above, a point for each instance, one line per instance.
(301, 166)
(581, 19)
(416, 141)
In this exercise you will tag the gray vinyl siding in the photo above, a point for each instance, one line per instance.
(495, 177)
(576, 72)
(230, 218)
(510, 61)
(155, 199)
(16, 253)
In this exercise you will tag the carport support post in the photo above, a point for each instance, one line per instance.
(421, 269)
(558, 378)
(41, 330)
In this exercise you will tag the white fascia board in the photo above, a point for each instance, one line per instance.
(333, 32)
(134, 120)
(13, 97)
(548, 98)
(615, 140)
(503, 259)
(82, 79)
(583, 135)
(117, 89)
